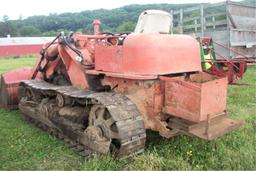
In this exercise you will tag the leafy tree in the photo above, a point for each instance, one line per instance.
(5, 18)
(29, 31)
(7, 28)
(116, 20)
(49, 34)
(127, 26)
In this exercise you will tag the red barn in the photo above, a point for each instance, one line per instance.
(20, 46)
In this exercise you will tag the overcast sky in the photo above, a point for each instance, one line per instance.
(25, 8)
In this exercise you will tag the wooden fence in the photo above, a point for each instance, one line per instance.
(231, 23)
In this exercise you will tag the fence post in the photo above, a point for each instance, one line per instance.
(228, 27)
(181, 21)
(202, 19)
(172, 22)
(213, 22)
(195, 22)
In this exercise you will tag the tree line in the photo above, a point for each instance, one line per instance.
(115, 20)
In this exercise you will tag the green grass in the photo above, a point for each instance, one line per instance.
(23, 146)
(13, 63)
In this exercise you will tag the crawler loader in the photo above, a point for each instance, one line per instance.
(100, 92)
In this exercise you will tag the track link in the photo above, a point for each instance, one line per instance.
(127, 120)
(80, 148)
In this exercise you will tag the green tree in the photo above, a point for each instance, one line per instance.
(5, 18)
(127, 26)
(7, 28)
(29, 31)
(49, 34)
(118, 19)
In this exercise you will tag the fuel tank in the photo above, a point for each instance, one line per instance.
(150, 54)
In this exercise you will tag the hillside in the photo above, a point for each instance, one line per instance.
(114, 20)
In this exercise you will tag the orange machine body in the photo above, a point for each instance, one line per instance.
(150, 55)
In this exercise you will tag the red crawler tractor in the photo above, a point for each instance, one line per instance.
(101, 92)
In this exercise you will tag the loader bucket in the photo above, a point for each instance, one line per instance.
(9, 84)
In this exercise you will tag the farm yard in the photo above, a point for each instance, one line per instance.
(25, 147)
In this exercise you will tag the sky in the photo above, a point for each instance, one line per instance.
(16, 8)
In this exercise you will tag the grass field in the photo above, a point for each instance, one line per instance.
(23, 146)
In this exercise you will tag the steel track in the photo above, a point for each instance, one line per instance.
(131, 131)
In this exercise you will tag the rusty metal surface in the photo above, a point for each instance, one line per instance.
(210, 129)
(120, 75)
(130, 133)
(148, 95)
(193, 99)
